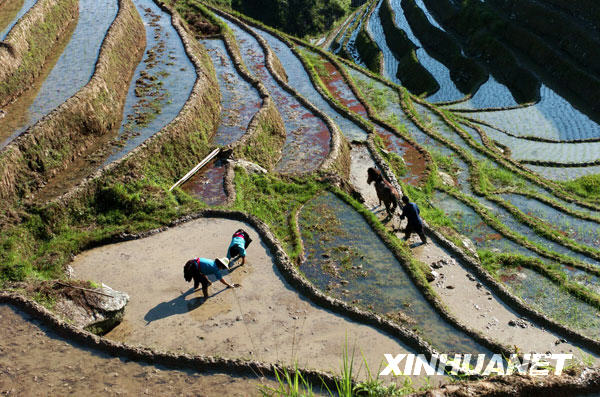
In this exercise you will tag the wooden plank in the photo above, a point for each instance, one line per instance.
(196, 168)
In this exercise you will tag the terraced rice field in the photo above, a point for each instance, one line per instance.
(136, 93)
(72, 70)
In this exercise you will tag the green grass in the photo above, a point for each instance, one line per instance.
(587, 187)
(274, 201)
(295, 384)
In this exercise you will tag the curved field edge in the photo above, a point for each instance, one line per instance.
(265, 136)
(200, 363)
(83, 121)
(31, 42)
(338, 157)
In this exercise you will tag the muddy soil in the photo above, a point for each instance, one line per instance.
(265, 319)
(471, 302)
(35, 361)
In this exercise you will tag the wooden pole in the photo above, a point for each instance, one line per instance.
(196, 168)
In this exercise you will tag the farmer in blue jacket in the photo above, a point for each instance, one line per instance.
(239, 242)
(199, 268)
(414, 223)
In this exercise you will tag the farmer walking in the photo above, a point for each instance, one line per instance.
(239, 242)
(414, 223)
(199, 268)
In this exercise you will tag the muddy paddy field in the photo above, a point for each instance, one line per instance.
(106, 109)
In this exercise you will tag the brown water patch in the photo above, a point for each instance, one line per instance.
(341, 91)
(17, 113)
(414, 160)
(308, 138)
(208, 184)
(36, 361)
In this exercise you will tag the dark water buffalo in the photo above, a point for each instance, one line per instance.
(385, 191)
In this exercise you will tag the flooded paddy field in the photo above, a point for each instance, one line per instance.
(353, 263)
(161, 84)
(208, 184)
(308, 137)
(239, 100)
(75, 66)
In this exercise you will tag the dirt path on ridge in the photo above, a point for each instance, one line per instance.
(265, 319)
(468, 300)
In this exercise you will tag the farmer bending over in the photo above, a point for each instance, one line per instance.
(199, 268)
(239, 242)
(414, 223)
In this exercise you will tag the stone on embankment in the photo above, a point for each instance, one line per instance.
(250, 167)
(468, 244)
(99, 311)
(446, 179)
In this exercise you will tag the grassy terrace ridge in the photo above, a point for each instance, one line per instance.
(84, 121)
(31, 42)
(8, 11)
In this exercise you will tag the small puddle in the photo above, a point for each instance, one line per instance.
(348, 260)
(547, 297)
(161, 84)
(239, 99)
(308, 138)
(76, 64)
(208, 184)
(6, 23)
(60, 367)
